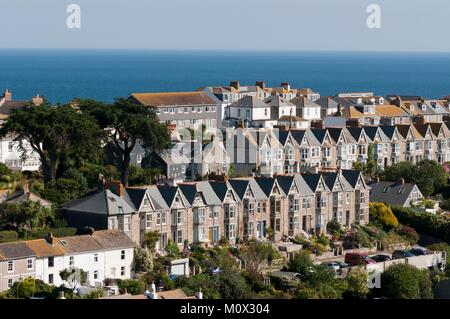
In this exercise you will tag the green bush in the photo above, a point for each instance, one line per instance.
(64, 231)
(131, 286)
(402, 281)
(381, 214)
(426, 223)
(323, 240)
(8, 236)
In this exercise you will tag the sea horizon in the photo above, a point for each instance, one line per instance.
(104, 74)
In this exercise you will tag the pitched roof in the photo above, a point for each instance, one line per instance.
(302, 101)
(388, 130)
(220, 188)
(285, 182)
(25, 196)
(168, 193)
(249, 101)
(79, 244)
(298, 135)
(312, 180)
(393, 193)
(266, 184)
(351, 176)
(102, 202)
(240, 185)
(355, 132)
(173, 98)
(137, 195)
(277, 101)
(15, 250)
(113, 239)
(42, 248)
(319, 133)
(156, 197)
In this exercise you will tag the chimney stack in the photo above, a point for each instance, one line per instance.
(261, 84)
(49, 238)
(115, 186)
(8, 95)
(402, 180)
(235, 84)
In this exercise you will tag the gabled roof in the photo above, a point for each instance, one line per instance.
(240, 185)
(15, 250)
(204, 188)
(267, 184)
(79, 244)
(335, 133)
(298, 135)
(388, 130)
(168, 193)
(137, 195)
(221, 188)
(331, 179)
(351, 176)
(320, 134)
(355, 132)
(283, 136)
(156, 198)
(392, 193)
(277, 101)
(312, 180)
(285, 182)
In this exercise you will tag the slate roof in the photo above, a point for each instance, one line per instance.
(25, 196)
(283, 136)
(335, 133)
(156, 198)
(277, 101)
(266, 184)
(351, 176)
(320, 134)
(208, 193)
(285, 182)
(220, 188)
(15, 250)
(312, 180)
(102, 202)
(355, 132)
(303, 186)
(304, 102)
(388, 130)
(240, 185)
(136, 195)
(168, 193)
(392, 193)
(249, 101)
(298, 135)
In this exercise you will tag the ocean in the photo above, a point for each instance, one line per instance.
(61, 75)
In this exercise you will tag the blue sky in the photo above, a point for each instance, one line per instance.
(406, 25)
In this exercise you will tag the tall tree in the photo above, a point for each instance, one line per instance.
(126, 124)
(54, 133)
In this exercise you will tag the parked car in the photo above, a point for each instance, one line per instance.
(418, 251)
(333, 265)
(381, 258)
(215, 270)
(399, 254)
(356, 259)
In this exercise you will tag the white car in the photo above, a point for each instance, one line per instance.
(333, 265)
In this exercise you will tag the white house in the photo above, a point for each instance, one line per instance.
(253, 111)
(306, 108)
(104, 254)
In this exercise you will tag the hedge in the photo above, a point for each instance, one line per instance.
(8, 236)
(64, 231)
(422, 222)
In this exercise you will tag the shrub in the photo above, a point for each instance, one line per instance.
(323, 240)
(334, 227)
(408, 233)
(8, 236)
(64, 231)
(402, 281)
(301, 262)
(381, 214)
(131, 286)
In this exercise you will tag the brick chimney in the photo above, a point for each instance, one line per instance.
(261, 84)
(115, 186)
(8, 95)
(235, 84)
(37, 100)
(49, 238)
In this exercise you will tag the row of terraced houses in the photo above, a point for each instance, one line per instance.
(236, 209)
(278, 151)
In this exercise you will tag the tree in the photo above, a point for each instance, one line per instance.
(73, 277)
(54, 133)
(380, 213)
(357, 286)
(142, 260)
(126, 124)
(131, 286)
(403, 281)
(257, 255)
(301, 263)
(429, 175)
(30, 287)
